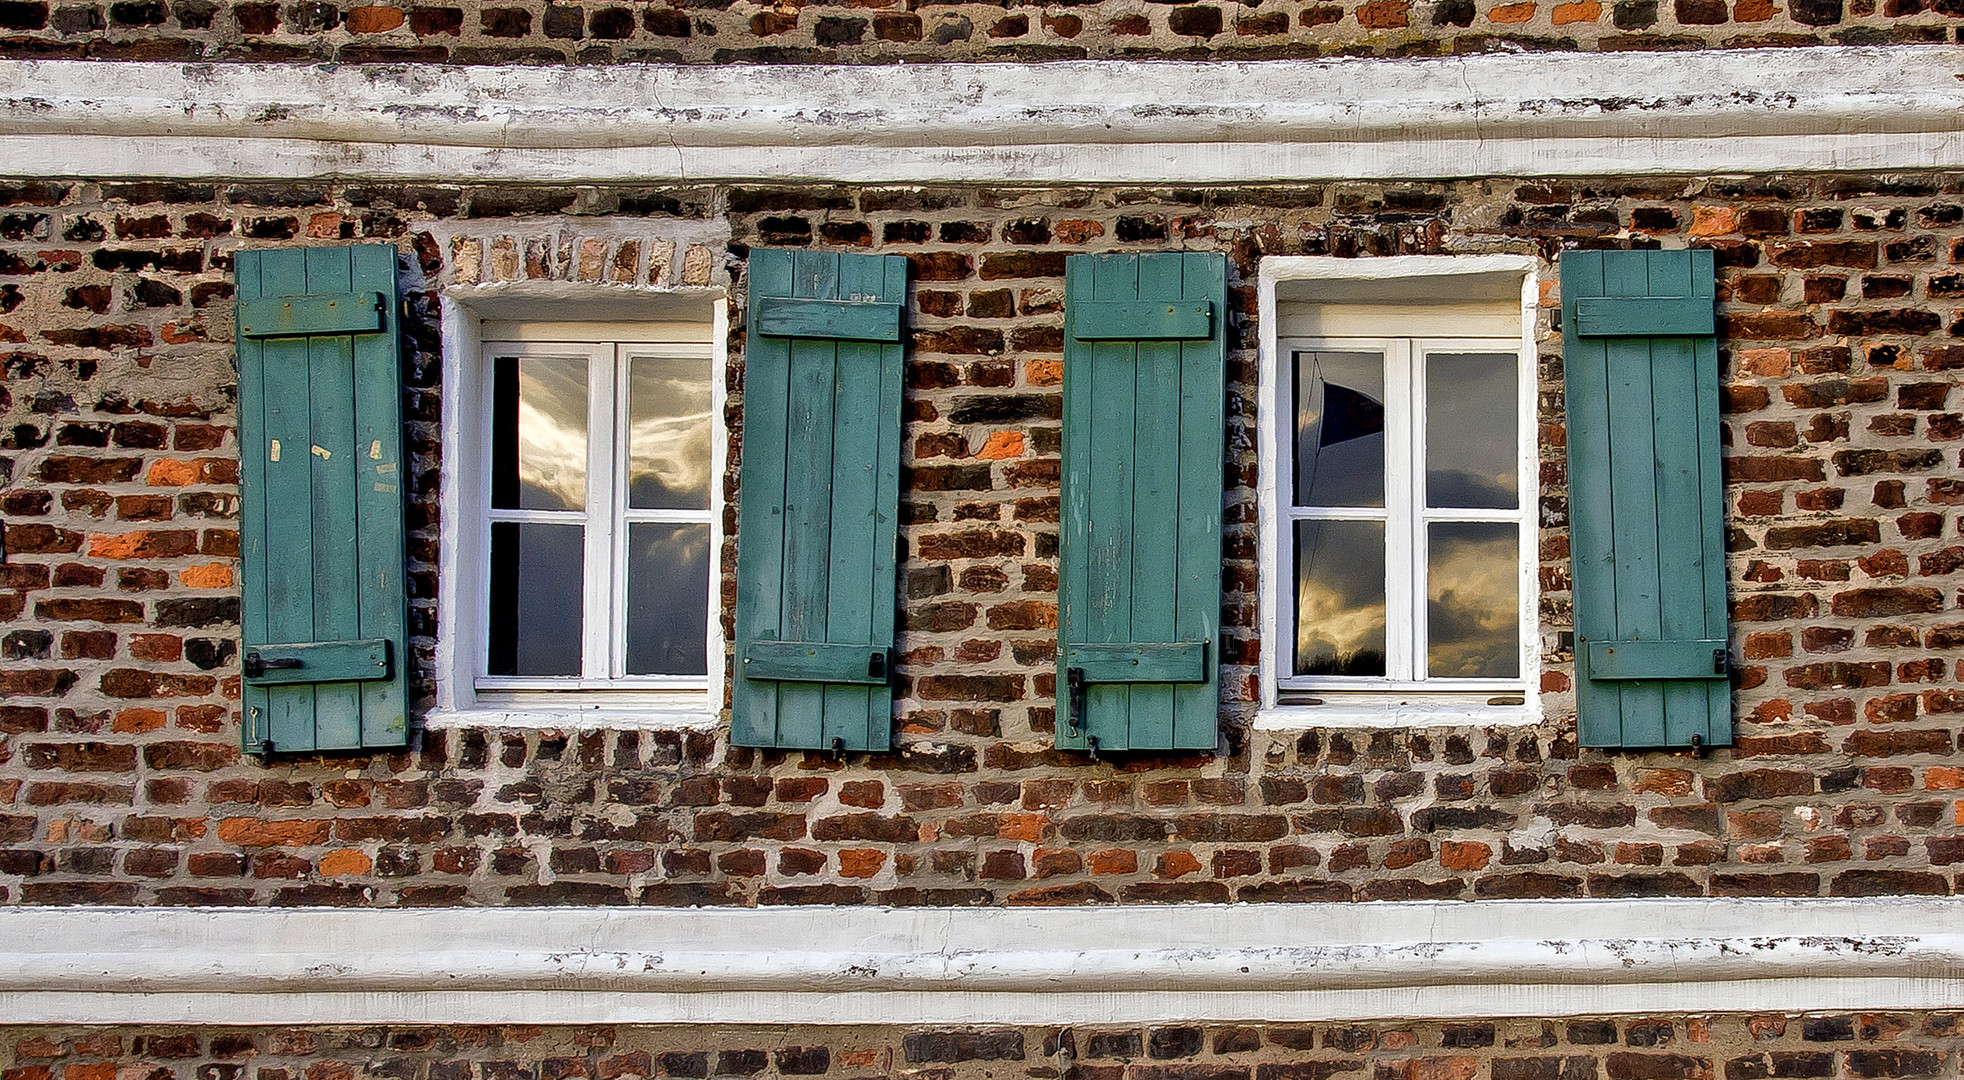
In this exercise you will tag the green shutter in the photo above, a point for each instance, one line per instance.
(1646, 520)
(325, 608)
(820, 501)
(1145, 361)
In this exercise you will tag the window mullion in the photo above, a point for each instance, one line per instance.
(617, 515)
(596, 630)
(1403, 451)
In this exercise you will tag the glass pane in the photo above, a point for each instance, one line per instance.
(538, 432)
(1470, 430)
(1340, 598)
(667, 599)
(536, 575)
(668, 433)
(1339, 429)
(1473, 601)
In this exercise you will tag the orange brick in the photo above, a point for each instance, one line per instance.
(861, 862)
(137, 720)
(1753, 11)
(207, 576)
(99, 1071)
(1464, 855)
(347, 862)
(1714, 220)
(1001, 444)
(170, 472)
(1021, 827)
(1044, 372)
(1943, 778)
(252, 832)
(373, 20)
(1585, 11)
(1773, 363)
(857, 1059)
(1512, 13)
(1114, 861)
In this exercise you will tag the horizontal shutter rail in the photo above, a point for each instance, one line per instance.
(1657, 659)
(810, 661)
(841, 320)
(1142, 320)
(314, 313)
(317, 662)
(1657, 316)
(1141, 662)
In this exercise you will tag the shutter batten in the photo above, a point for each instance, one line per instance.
(1647, 530)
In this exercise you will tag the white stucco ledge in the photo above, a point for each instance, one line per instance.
(1554, 114)
(1050, 965)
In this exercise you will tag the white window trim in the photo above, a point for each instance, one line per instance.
(1380, 708)
(470, 318)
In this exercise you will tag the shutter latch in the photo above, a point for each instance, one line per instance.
(1718, 661)
(254, 665)
(1074, 686)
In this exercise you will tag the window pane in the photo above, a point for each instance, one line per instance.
(538, 432)
(1471, 430)
(1339, 429)
(1473, 601)
(667, 599)
(536, 575)
(668, 433)
(1340, 598)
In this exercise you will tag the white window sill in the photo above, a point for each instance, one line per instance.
(1397, 711)
(577, 719)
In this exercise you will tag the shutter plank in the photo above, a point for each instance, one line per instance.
(382, 564)
(337, 614)
(855, 487)
(808, 507)
(761, 532)
(1113, 474)
(1677, 314)
(1155, 498)
(1203, 427)
(1074, 495)
(1633, 487)
(1599, 706)
(289, 571)
(1711, 490)
(1680, 539)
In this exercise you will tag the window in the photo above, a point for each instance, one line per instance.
(1398, 493)
(581, 520)
(598, 516)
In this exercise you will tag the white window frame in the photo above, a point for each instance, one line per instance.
(690, 322)
(1370, 305)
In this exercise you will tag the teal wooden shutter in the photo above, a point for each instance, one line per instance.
(325, 609)
(820, 501)
(1646, 520)
(1145, 362)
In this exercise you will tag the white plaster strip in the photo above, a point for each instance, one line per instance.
(1050, 965)
(1084, 121)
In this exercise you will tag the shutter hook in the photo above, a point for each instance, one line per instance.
(1074, 706)
(265, 754)
(1698, 746)
(838, 748)
(1091, 743)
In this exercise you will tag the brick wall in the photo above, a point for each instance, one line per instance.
(120, 780)
(885, 31)
(1872, 1046)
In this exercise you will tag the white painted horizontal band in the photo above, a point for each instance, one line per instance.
(1046, 965)
(1079, 121)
